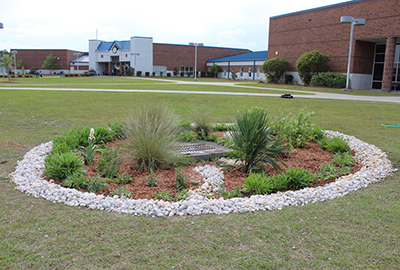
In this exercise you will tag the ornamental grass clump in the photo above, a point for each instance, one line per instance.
(61, 165)
(251, 136)
(150, 135)
(202, 124)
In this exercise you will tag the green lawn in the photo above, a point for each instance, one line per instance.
(357, 231)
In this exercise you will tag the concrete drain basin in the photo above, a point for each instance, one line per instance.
(202, 150)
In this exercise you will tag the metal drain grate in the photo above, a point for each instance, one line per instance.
(194, 148)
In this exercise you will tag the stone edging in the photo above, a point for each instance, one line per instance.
(375, 167)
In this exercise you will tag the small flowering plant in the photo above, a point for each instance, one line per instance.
(90, 151)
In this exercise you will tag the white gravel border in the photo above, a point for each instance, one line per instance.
(376, 166)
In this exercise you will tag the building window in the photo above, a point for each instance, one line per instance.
(249, 71)
(379, 62)
(158, 69)
(241, 72)
(258, 72)
(396, 69)
(101, 56)
(187, 70)
(224, 71)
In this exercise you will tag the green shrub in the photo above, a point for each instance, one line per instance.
(251, 135)
(108, 164)
(288, 78)
(327, 171)
(185, 125)
(183, 160)
(139, 73)
(152, 179)
(221, 127)
(235, 193)
(294, 129)
(62, 165)
(311, 63)
(151, 143)
(76, 180)
(182, 195)
(279, 182)
(163, 195)
(121, 192)
(329, 79)
(185, 135)
(65, 143)
(212, 138)
(257, 184)
(334, 144)
(117, 130)
(147, 74)
(123, 178)
(226, 142)
(343, 159)
(96, 184)
(317, 134)
(298, 178)
(181, 180)
(275, 68)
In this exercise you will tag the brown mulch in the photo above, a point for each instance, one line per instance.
(310, 158)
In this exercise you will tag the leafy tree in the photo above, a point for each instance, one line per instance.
(311, 63)
(215, 69)
(7, 62)
(50, 62)
(275, 68)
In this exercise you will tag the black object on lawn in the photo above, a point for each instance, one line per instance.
(286, 96)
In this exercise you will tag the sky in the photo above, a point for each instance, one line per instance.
(50, 24)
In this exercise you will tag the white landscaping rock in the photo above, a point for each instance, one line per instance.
(29, 179)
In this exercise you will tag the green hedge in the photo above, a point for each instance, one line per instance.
(329, 79)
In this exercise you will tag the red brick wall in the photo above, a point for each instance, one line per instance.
(35, 58)
(294, 34)
(183, 55)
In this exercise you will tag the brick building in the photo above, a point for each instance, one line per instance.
(247, 65)
(141, 54)
(375, 49)
(66, 60)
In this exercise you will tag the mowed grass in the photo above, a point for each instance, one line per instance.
(357, 231)
(134, 83)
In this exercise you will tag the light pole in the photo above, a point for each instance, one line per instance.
(349, 19)
(195, 57)
(15, 65)
(77, 64)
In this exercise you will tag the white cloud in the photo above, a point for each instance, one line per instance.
(69, 25)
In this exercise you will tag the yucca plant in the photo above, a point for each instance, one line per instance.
(151, 143)
(251, 135)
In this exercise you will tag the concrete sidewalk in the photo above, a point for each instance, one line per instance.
(295, 93)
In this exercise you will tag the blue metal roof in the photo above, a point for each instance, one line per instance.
(123, 45)
(82, 59)
(249, 56)
(328, 6)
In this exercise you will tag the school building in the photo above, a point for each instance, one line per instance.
(375, 61)
(141, 54)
